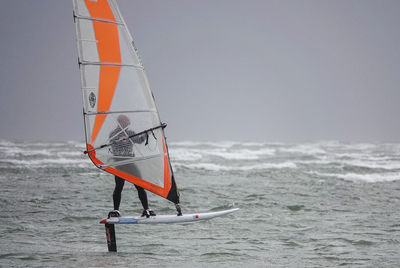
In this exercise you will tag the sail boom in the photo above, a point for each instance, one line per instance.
(162, 126)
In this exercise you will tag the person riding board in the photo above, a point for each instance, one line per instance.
(122, 146)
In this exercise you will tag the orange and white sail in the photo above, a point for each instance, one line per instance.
(124, 135)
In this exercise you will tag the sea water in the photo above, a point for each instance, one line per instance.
(323, 204)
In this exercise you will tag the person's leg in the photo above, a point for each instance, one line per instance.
(142, 196)
(119, 185)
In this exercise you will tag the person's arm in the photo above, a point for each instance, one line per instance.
(137, 139)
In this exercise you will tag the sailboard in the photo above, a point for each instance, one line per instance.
(123, 131)
(167, 218)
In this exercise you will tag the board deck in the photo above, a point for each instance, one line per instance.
(167, 218)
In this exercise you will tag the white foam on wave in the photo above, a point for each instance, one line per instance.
(34, 149)
(17, 151)
(350, 155)
(184, 155)
(71, 153)
(370, 177)
(41, 144)
(6, 143)
(13, 151)
(315, 162)
(243, 154)
(388, 165)
(367, 155)
(224, 144)
(221, 144)
(194, 154)
(35, 163)
(253, 144)
(306, 149)
(216, 167)
(385, 165)
(347, 146)
(77, 143)
(359, 146)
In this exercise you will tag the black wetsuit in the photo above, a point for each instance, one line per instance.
(119, 185)
(125, 148)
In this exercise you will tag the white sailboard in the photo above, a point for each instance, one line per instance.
(167, 218)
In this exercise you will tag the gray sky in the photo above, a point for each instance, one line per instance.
(252, 70)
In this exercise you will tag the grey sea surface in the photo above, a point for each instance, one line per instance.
(323, 204)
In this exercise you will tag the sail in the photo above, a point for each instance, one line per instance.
(124, 134)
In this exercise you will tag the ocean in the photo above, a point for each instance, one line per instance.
(322, 204)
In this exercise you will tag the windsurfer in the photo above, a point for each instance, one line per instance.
(122, 146)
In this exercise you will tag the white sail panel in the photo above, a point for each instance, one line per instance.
(136, 100)
(90, 82)
(128, 53)
(87, 42)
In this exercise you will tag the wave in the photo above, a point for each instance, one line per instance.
(222, 144)
(374, 164)
(194, 154)
(356, 177)
(243, 154)
(226, 155)
(38, 144)
(18, 152)
(14, 151)
(184, 155)
(366, 156)
(225, 144)
(6, 143)
(355, 155)
(46, 162)
(306, 149)
(377, 165)
(216, 167)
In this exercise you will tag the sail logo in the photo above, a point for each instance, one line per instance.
(92, 99)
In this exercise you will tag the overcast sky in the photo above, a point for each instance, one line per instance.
(253, 70)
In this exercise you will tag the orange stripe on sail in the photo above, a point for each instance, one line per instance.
(107, 84)
(109, 51)
(167, 174)
(100, 9)
(92, 155)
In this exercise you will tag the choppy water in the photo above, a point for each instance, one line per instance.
(302, 205)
